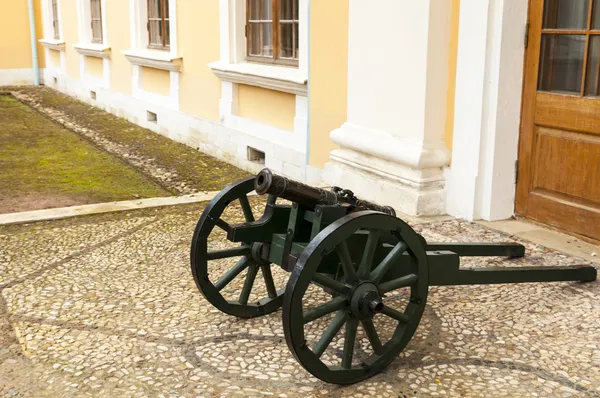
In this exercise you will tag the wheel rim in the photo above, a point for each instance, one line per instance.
(359, 297)
(212, 287)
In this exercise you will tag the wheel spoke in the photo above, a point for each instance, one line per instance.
(367, 260)
(336, 304)
(388, 262)
(232, 273)
(372, 335)
(245, 294)
(246, 208)
(346, 260)
(404, 281)
(233, 252)
(223, 225)
(268, 276)
(333, 329)
(397, 315)
(332, 284)
(349, 338)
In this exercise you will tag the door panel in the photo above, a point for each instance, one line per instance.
(561, 156)
(559, 151)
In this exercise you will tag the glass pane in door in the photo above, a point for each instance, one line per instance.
(592, 79)
(561, 63)
(565, 14)
(596, 16)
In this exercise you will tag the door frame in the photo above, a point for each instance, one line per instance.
(530, 77)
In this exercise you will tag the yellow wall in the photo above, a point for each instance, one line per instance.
(268, 106)
(117, 19)
(328, 75)
(68, 13)
(15, 41)
(55, 58)
(452, 59)
(94, 66)
(198, 32)
(156, 80)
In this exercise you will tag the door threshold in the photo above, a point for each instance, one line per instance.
(545, 235)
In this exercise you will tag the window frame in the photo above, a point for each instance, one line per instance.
(164, 4)
(275, 59)
(99, 19)
(54, 8)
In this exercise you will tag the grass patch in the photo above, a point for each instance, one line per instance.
(43, 164)
(199, 170)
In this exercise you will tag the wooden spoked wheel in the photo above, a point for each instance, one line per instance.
(364, 247)
(216, 268)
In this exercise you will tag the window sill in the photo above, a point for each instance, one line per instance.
(154, 59)
(93, 50)
(53, 44)
(279, 78)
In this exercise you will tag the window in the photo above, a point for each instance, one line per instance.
(55, 25)
(158, 24)
(272, 31)
(96, 9)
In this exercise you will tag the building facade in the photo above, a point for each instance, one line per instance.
(476, 108)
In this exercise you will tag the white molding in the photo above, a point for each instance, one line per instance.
(53, 44)
(154, 59)
(93, 50)
(173, 43)
(289, 80)
(384, 145)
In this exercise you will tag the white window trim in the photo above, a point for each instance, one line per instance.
(84, 19)
(154, 59)
(139, 28)
(86, 48)
(53, 44)
(233, 67)
(48, 40)
(93, 50)
(289, 80)
(141, 56)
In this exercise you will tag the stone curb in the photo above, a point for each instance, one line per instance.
(99, 208)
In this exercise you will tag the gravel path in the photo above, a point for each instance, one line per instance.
(106, 306)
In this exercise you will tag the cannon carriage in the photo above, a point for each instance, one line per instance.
(369, 268)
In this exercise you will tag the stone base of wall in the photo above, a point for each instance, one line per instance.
(215, 139)
(387, 183)
(16, 77)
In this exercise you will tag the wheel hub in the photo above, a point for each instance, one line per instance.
(258, 253)
(366, 301)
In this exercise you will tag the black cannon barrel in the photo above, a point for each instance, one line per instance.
(268, 183)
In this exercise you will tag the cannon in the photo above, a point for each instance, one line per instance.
(333, 262)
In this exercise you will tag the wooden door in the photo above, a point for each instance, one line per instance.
(559, 152)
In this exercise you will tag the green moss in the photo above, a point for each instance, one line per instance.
(202, 171)
(40, 157)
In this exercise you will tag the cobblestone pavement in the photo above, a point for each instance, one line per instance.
(106, 306)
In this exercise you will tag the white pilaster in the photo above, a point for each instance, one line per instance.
(391, 148)
(481, 180)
